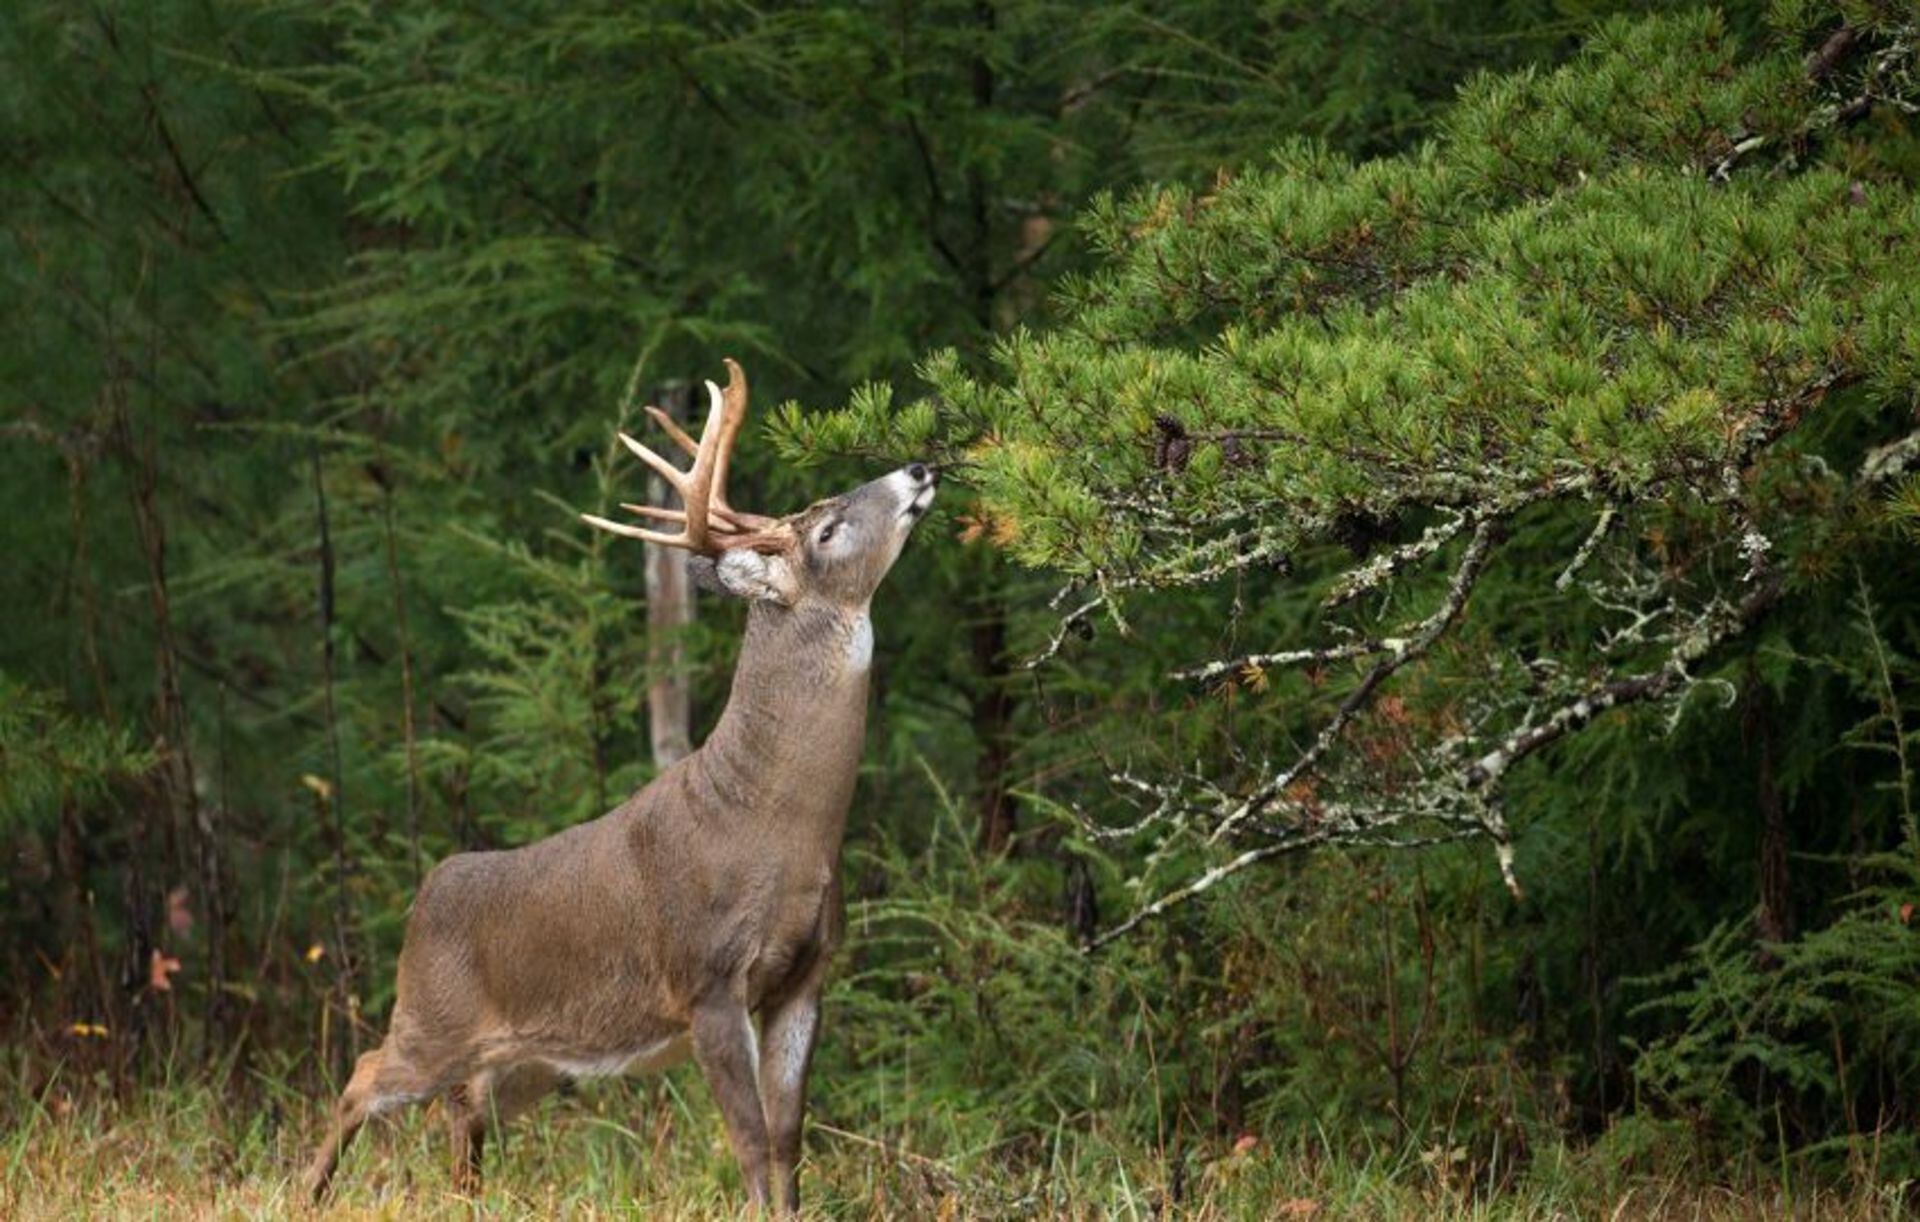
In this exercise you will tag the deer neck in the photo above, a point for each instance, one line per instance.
(787, 747)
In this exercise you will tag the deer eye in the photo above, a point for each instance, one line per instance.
(826, 533)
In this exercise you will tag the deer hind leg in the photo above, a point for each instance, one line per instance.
(380, 1079)
(467, 1128)
(482, 1103)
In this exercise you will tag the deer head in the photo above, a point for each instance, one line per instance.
(834, 552)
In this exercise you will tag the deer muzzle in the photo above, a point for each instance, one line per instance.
(914, 486)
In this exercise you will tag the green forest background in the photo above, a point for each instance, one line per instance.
(1407, 700)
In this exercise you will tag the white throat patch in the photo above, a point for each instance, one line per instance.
(860, 643)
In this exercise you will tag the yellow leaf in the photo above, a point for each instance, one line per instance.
(316, 952)
(318, 785)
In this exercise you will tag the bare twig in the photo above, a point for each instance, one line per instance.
(1601, 525)
(1472, 563)
(1712, 627)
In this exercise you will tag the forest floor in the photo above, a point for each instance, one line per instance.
(656, 1151)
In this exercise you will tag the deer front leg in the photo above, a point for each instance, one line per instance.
(728, 1051)
(791, 1029)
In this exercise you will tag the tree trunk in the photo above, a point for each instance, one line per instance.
(992, 715)
(1775, 919)
(333, 798)
(409, 737)
(991, 703)
(192, 832)
(669, 612)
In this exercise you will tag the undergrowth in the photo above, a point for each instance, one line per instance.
(654, 1150)
(1324, 1041)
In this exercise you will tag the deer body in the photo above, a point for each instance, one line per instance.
(582, 953)
(707, 900)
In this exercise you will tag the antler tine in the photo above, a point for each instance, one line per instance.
(734, 401)
(710, 437)
(725, 514)
(661, 467)
(634, 532)
(655, 512)
(735, 398)
(672, 429)
(721, 519)
(695, 485)
(717, 504)
(708, 523)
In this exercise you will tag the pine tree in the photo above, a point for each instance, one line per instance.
(1537, 419)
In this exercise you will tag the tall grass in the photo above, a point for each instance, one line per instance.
(654, 1150)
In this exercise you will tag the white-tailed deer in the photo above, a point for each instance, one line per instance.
(697, 916)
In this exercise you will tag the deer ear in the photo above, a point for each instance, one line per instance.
(753, 575)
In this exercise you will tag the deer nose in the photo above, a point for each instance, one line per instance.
(919, 474)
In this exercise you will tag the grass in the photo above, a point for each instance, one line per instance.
(654, 1149)
(974, 1067)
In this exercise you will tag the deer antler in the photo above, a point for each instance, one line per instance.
(709, 525)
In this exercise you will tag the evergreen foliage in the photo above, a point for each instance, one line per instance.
(51, 759)
(1355, 464)
(1827, 1021)
(1646, 284)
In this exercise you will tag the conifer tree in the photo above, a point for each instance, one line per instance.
(1524, 426)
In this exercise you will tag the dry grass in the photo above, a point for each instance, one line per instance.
(654, 1150)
